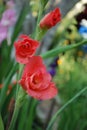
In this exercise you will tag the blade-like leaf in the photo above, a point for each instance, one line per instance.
(64, 106)
(5, 86)
(1, 124)
(59, 50)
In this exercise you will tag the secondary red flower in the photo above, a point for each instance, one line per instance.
(25, 48)
(50, 19)
(37, 81)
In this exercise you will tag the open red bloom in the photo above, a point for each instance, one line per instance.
(50, 19)
(25, 48)
(37, 81)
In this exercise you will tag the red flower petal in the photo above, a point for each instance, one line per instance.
(34, 64)
(46, 94)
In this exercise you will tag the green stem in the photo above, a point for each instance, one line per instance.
(31, 114)
(39, 32)
(20, 96)
(23, 114)
(59, 50)
(14, 118)
(18, 104)
(19, 76)
(64, 106)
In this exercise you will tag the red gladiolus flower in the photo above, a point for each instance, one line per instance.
(25, 48)
(50, 19)
(37, 81)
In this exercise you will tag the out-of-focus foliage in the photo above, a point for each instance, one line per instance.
(71, 78)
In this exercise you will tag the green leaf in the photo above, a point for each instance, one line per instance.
(19, 23)
(31, 114)
(64, 106)
(18, 26)
(5, 86)
(44, 2)
(59, 50)
(1, 124)
(23, 114)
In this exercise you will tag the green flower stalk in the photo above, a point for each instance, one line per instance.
(19, 102)
(39, 32)
(20, 97)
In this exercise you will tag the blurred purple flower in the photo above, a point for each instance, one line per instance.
(8, 17)
(10, 4)
(54, 63)
(52, 71)
(3, 32)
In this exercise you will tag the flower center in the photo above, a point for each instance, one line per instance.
(26, 46)
(36, 79)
